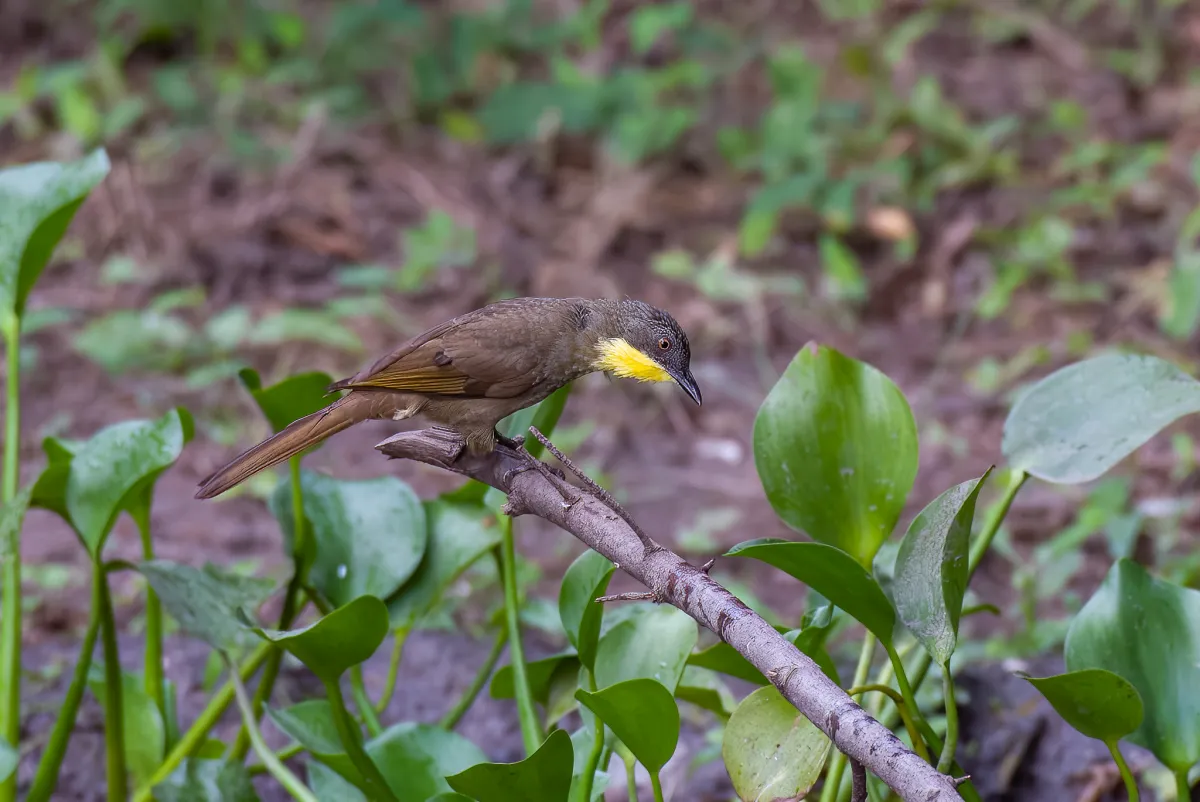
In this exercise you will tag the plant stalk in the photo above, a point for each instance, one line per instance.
(10, 626)
(1183, 791)
(114, 712)
(588, 777)
(982, 543)
(630, 776)
(351, 738)
(902, 708)
(531, 730)
(50, 763)
(455, 714)
(399, 636)
(152, 664)
(947, 758)
(280, 772)
(363, 702)
(833, 779)
(1131, 789)
(656, 784)
(198, 732)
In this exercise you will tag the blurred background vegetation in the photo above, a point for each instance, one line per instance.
(965, 193)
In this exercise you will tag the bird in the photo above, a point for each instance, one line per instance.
(469, 373)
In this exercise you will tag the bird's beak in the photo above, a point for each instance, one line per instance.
(685, 380)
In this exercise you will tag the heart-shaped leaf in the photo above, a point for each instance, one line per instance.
(207, 602)
(37, 203)
(1080, 421)
(1147, 631)
(771, 750)
(724, 658)
(145, 734)
(544, 775)
(205, 780)
(346, 637)
(932, 569)
(108, 470)
(458, 535)
(370, 534)
(1096, 702)
(288, 400)
(642, 714)
(833, 574)
(653, 642)
(541, 674)
(835, 445)
(416, 758)
(585, 581)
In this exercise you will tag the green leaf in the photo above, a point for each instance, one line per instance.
(459, 534)
(1078, 422)
(650, 22)
(706, 690)
(204, 780)
(544, 775)
(653, 642)
(771, 751)
(932, 568)
(1147, 631)
(145, 735)
(833, 574)
(585, 580)
(835, 444)
(8, 760)
(111, 471)
(370, 534)
(346, 637)
(540, 673)
(206, 602)
(37, 203)
(724, 658)
(288, 400)
(329, 786)
(415, 759)
(642, 714)
(1096, 702)
(310, 723)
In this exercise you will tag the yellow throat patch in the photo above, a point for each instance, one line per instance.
(618, 357)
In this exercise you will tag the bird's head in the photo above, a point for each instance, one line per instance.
(649, 346)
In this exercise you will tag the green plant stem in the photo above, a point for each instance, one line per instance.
(10, 626)
(1183, 791)
(399, 636)
(982, 543)
(1131, 789)
(455, 714)
(630, 776)
(588, 777)
(833, 779)
(273, 764)
(50, 763)
(947, 758)
(531, 729)
(657, 786)
(906, 690)
(198, 732)
(287, 753)
(114, 715)
(351, 738)
(152, 664)
(965, 789)
(363, 702)
(902, 708)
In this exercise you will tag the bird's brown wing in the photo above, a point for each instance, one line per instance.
(495, 352)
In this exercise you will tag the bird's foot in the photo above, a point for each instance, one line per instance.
(554, 476)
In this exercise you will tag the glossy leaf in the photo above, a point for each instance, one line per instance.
(108, 470)
(1080, 421)
(458, 535)
(654, 642)
(145, 734)
(835, 445)
(540, 674)
(771, 750)
(346, 637)
(833, 574)
(370, 534)
(37, 203)
(310, 723)
(207, 602)
(585, 580)
(544, 775)
(1147, 631)
(932, 569)
(329, 786)
(642, 713)
(288, 400)
(725, 659)
(1096, 702)
(705, 689)
(207, 780)
(416, 758)
(8, 760)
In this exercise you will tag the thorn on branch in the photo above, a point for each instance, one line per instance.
(708, 566)
(960, 780)
(636, 596)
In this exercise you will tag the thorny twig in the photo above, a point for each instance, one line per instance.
(673, 580)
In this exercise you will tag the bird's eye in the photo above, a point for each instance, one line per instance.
(664, 343)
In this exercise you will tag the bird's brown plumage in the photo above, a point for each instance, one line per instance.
(466, 374)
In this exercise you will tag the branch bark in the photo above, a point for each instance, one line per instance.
(672, 579)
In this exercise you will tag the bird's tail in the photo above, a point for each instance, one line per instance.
(298, 436)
